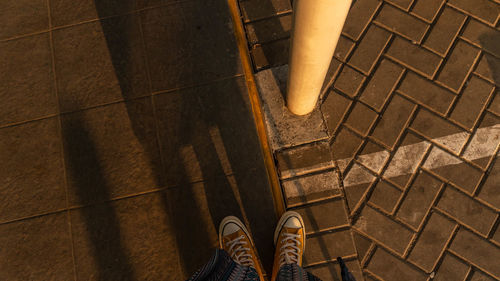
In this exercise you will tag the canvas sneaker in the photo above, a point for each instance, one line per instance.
(235, 239)
(290, 241)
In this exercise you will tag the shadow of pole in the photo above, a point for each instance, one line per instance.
(491, 41)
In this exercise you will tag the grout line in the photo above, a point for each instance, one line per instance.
(197, 85)
(61, 140)
(13, 124)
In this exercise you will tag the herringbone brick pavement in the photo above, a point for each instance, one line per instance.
(413, 117)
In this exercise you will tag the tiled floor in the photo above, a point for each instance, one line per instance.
(410, 106)
(125, 137)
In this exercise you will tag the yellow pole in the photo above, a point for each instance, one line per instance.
(317, 25)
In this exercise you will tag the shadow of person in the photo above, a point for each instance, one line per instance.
(211, 160)
(112, 261)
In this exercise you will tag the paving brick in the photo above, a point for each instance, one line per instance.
(426, 92)
(458, 66)
(328, 246)
(324, 215)
(483, 35)
(495, 104)
(369, 49)
(359, 16)
(393, 120)
(333, 69)
(440, 130)
(483, 255)
(471, 103)
(269, 29)
(489, 69)
(258, 9)
(451, 268)
(312, 187)
(427, 9)
(385, 196)
(381, 84)
(373, 156)
(331, 271)
(303, 159)
(334, 108)
(361, 118)
(453, 169)
(414, 57)
(484, 142)
(389, 268)
(356, 183)
(418, 200)
(489, 191)
(383, 229)
(345, 145)
(344, 47)
(349, 81)
(271, 54)
(483, 9)
(432, 241)
(479, 276)
(406, 160)
(496, 236)
(361, 243)
(469, 211)
(445, 30)
(354, 192)
(401, 23)
(404, 4)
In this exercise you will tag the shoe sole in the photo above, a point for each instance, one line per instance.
(282, 222)
(237, 221)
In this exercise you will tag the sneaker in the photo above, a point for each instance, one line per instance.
(290, 241)
(235, 239)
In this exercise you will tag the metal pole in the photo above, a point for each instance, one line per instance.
(317, 25)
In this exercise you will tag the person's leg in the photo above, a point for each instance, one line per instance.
(221, 267)
(290, 242)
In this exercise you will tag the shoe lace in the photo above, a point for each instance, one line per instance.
(239, 253)
(290, 251)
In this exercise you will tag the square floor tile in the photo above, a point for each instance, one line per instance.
(26, 79)
(100, 62)
(36, 249)
(111, 151)
(18, 17)
(129, 239)
(206, 131)
(189, 43)
(64, 12)
(31, 170)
